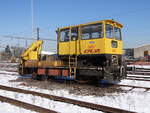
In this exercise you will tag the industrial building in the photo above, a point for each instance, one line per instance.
(137, 52)
(142, 51)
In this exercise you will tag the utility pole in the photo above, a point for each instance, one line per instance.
(38, 34)
(33, 20)
(26, 43)
(33, 17)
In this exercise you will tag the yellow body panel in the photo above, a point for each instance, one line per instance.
(69, 48)
(109, 49)
(90, 46)
(94, 46)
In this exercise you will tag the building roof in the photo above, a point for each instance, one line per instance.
(144, 45)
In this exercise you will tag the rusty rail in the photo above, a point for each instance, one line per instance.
(138, 79)
(9, 74)
(9, 70)
(25, 105)
(138, 72)
(121, 85)
(67, 100)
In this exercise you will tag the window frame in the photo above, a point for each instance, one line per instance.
(64, 38)
(102, 33)
(114, 36)
(112, 31)
(119, 33)
(71, 39)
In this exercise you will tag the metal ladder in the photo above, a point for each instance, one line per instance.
(73, 65)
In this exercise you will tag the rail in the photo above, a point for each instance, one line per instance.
(25, 105)
(136, 70)
(138, 79)
(67, 100)
(121, 85)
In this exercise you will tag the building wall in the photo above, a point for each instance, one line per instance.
(139, 51)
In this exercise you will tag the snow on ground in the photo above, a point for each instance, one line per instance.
(136, 83)
(6, 72)
(135, 100)
(129, 75)
(46, 103)
(140, 66)
(8, 108)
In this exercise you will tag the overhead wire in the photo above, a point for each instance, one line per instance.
(111, 16)
(25, 38)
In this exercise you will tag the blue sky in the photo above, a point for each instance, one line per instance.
(15, 18)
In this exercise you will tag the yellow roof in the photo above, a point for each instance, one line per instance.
(108, 20)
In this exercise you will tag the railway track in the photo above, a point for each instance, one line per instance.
(1, 73)
(9, 73)
(121, 85)
(9, 70)
(67, 100)
(26, 105)
(137, 79)
(138, 71)
(8, 66)
(11, 67)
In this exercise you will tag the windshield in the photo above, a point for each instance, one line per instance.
(64, 35)
(113, 32)
(91, 31)
(117, 33)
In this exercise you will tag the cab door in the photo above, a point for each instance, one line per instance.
(63, 41)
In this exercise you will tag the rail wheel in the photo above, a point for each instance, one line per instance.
(34, 76)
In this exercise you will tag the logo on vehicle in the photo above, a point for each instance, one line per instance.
(91, 46)
(91, 50)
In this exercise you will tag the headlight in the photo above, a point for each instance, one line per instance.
(114, 60)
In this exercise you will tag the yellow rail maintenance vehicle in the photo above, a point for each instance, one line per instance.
(94, 50)
(91, 51)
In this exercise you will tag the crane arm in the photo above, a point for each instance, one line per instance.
(32, 53)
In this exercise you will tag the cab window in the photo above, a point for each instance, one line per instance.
(109, 31)
(117, 33)
(91, 31)
(74, 34)
(64, 35)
